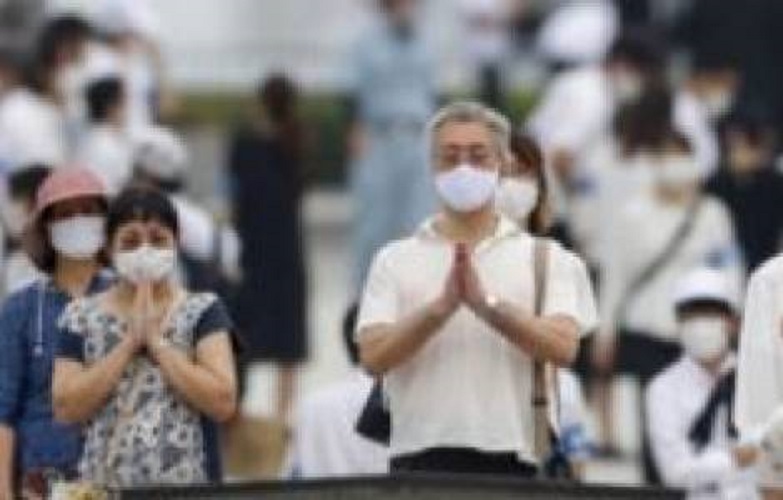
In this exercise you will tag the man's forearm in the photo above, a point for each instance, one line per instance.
(385, 347)
(6, 462)
(553, 339)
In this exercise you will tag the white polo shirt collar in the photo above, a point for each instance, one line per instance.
(504, 228)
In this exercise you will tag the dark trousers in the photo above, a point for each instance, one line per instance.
(463, 461)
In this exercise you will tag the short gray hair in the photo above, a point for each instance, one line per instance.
(471, 112)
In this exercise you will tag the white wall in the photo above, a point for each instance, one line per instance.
(229, 44)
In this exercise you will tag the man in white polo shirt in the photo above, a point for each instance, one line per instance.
(447, 314)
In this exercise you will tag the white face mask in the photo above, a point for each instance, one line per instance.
(466, 188)
(679, 172)
(80, 237)
(146, 264)
(705, 339)
(517, 197)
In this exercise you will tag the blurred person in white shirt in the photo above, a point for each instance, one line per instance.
(578, 32)
(689, 404)
(578, 107)
(659, 236)
(129, 48)
(759, 399)
(32, 119)
(17, 205)
(210, 248)
(325, 442)
(523, 196)
(448, 312)
(106, 148)
(12, 74)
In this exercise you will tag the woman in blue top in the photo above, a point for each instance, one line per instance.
(65, 239)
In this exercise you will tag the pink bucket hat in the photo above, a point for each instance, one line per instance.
(65, 183)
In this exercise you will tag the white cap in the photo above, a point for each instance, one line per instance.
(707, 285)
(579, 32)
(160, 152)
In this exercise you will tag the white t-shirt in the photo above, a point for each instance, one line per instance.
(675, 399)
(198, 239)
(326, 443)
(485, 34)
(607, 180)
(575, 114)
(440, 397)
(32, 130)
(108, 152)
(578, 32)
(642, 230)
(760, 367)
(576, 111)
(137, 73)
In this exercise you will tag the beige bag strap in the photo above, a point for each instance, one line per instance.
(542, 444)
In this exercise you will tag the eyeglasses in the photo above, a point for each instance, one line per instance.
(477, 154)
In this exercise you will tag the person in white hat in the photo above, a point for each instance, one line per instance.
(160, 159)
(106, 147)
(688, 405)
(759, 401)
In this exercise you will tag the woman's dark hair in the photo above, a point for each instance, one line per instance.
(279, 97)
(640, 48)
(679, 142)
(103, 96)
(59, 34)
(24, 183)
(141, 204)
(527, 151)
(644, 125)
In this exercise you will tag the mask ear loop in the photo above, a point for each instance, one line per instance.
(38, 349)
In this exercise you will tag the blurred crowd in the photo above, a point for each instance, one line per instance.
(660, 137)
(649, 161)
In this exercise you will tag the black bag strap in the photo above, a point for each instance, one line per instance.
(672, 248)
(722, 396)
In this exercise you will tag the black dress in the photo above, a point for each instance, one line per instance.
(271, 307)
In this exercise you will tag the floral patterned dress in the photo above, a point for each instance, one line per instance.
(146, 433)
